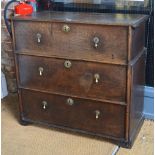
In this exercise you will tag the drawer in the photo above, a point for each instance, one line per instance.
(32, 36)
(111, 41)
(94, 117)
(82, 41)
(77, 78)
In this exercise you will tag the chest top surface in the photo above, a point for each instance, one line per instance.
(87, 18)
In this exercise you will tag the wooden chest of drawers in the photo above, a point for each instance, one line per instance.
(82, 72)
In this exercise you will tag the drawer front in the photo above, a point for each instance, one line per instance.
(90, 42)
(85, 79)
(95, 117)
(32, 36)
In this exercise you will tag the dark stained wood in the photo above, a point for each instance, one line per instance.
(137, 94)
(81, 115)
(119, 60)
(128, 92)
(78, 80)
(138, 56)
(138, 40)
(78, 43)
(87, 58)
(26, 36)
(86, 18)
(17, 73)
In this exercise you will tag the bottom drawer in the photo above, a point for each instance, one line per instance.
(90, 116)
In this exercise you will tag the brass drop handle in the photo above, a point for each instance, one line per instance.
(67, 64)
(44, 105)
(70, 101)
(66, 28)
(38, 37)
(97, 113)
(40, 69)
(96, 77)
(96, 41)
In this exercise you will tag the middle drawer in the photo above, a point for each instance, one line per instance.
(76, 78)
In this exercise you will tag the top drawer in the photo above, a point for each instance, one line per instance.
(76, 41)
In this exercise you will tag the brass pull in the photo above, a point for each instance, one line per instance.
(96, 41)
(97, 113)
(40, 69)
(70, 101)
(44, 105)
(67, 64)
(38, 37)
(97, 77)
(66, 28)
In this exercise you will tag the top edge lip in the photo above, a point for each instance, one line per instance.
(117, 19)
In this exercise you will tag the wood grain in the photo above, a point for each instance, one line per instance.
(78, 43)
(81, 115)
(78, 80)
(86, 18)
(119, 62)
(137, 93)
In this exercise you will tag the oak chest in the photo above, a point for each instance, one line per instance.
(82, 72)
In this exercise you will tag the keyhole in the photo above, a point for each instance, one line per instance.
(70, 101)
(67, 64)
